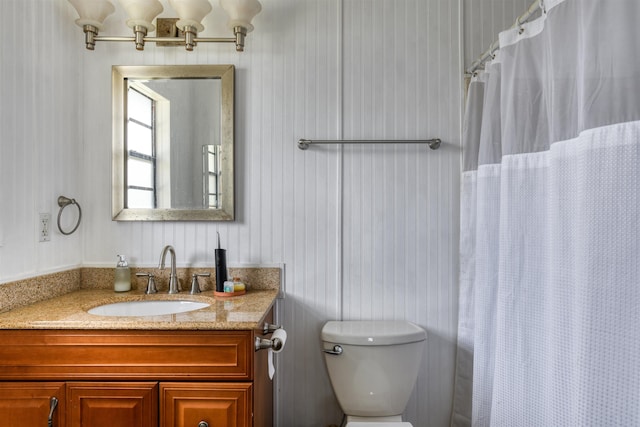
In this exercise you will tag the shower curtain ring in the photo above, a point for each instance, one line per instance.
(520, 27)
(63, 202)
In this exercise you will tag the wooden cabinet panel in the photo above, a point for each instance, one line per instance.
(110, 404)
(217, 404)
(126, 355)
(28, 404)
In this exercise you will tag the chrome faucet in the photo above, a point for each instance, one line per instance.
(174, 286)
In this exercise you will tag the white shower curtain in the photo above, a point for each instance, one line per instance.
(549, 327)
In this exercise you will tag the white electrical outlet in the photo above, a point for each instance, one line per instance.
(43, 227)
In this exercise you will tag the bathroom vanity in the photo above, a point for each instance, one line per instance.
(194, 369)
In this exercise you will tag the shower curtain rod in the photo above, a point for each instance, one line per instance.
(525, 17)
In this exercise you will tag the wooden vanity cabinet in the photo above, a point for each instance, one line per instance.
(137, 378)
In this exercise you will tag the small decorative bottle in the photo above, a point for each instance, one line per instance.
(238, 285)
(228, 286)
(122, 282)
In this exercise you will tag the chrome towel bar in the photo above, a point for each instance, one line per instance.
(434, 144)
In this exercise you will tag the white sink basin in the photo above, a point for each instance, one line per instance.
(146, 308)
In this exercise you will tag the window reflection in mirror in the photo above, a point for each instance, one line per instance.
(211, 175)
(170, 176)
(141, 150)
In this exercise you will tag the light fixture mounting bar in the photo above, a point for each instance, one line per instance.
(164, 39)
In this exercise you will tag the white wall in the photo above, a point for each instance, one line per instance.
(40, 144)
(484, 19)
(400, 221)
(364, 231)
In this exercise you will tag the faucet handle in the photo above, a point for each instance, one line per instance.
(195, 286)
(151, 282)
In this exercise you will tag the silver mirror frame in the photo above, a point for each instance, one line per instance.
(119, 77)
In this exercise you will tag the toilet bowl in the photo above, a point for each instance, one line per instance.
(373, 366)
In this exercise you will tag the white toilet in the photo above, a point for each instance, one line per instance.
(373, 367)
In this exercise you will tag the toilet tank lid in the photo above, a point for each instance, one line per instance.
(372, 332)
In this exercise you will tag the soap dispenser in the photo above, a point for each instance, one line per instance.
(123, 275)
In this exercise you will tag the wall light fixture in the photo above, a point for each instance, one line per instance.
(142, 12)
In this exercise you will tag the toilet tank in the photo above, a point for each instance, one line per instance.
(377, 368)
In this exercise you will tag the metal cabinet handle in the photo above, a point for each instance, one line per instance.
(53, 403)
(203, 424)
(336, 351)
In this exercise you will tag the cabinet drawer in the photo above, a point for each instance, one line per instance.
(102, 404)
(216, 404)
(126, 355)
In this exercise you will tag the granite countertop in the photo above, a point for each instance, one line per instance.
(69, 311)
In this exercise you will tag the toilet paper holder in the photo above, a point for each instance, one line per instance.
(268, 328)
(263, 343)
(275, 344)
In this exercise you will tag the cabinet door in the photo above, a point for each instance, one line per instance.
(205, 404)
(29, 404)
(110, 404)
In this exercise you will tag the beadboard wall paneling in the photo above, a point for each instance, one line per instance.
(400, 201)
(40, 156)
(484, 19)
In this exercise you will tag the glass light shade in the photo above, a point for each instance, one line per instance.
(142, 12)
(92, 12)
(241, 12)
(191, 12)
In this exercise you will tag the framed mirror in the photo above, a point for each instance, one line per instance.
(173, 138)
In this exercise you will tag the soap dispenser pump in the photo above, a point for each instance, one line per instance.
(122, 282)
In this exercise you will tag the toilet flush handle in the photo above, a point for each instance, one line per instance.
(336, 350)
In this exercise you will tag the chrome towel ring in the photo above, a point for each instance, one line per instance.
(63, 202)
